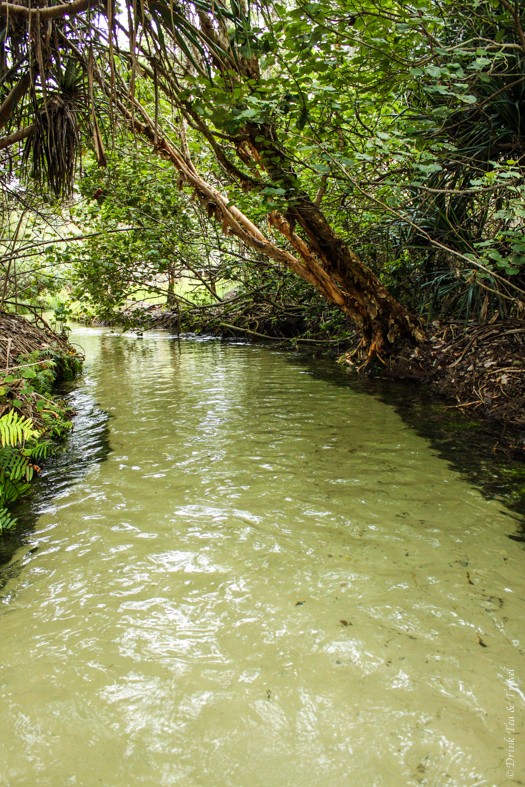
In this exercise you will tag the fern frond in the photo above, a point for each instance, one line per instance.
(16, 429)
(12, 490)
(39, 451)
(6, 520)
(13, 464)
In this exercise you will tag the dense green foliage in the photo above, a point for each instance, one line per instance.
(401, 124)
(143, 236)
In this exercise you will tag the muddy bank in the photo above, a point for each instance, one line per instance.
(482, 369)
(478, 369)
(21, 336)
(34, 359)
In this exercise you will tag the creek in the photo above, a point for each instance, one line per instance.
(245, 570)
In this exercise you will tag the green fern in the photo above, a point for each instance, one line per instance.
(40, 450)
(15, 429)
(17, 468)
(11, 489)
(13, 463)
(6, 520)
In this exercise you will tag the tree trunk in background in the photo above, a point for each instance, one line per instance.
(171, 300)
(320, 256)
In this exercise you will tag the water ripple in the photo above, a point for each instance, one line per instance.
(243, 574)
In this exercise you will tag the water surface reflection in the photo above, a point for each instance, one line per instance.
(270, 580)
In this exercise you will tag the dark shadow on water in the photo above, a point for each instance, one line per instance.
(86, 445)
(472, 448)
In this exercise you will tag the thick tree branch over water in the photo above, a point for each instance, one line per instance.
(259, 119)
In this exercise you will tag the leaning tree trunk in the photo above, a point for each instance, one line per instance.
(349, 284)
(381, 319)
(314, 252)
(320, 256)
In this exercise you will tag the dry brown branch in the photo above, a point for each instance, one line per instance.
(17, 136)
(48, 12)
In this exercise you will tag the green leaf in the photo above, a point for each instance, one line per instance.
(302, 120)
(479, 63)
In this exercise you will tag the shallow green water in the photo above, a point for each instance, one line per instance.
(254, 576)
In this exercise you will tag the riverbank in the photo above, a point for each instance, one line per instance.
(482, 369)
(21, 335)
(479, 369)
(34, 359)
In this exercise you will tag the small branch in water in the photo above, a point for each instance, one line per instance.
(338, 340)
(251, 333)
(291, 339)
